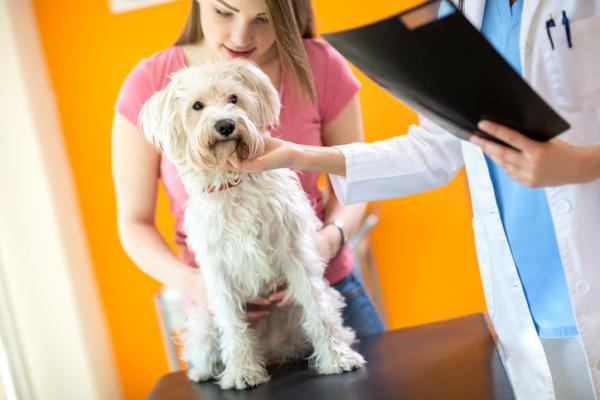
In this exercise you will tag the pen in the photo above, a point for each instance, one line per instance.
(565, 22)
(550, 24)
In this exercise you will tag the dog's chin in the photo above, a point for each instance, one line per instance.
(224, 149)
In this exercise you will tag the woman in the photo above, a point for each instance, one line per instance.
(319, 106)
(538, 249)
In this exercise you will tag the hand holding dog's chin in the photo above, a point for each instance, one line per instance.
(278, 154)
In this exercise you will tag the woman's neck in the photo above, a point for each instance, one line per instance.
(198, 53)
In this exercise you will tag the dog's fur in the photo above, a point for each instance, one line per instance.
(257, 230)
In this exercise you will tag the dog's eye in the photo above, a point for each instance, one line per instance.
(198, 106)
(233, 99)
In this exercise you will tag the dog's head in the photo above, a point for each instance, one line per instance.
(209, 112)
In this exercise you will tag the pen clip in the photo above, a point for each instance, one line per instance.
(550, 24)
(565, 22)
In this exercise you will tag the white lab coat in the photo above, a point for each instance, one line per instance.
(428, 157)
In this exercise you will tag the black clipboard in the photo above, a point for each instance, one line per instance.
(434, 60)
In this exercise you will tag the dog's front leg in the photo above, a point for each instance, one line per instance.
(200, 345)
(244, 367)
(322, 321)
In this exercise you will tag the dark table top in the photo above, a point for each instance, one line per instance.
(454, 359)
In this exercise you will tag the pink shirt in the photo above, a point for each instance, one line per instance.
(301, 123)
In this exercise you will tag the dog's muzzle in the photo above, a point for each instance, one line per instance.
(225, 127)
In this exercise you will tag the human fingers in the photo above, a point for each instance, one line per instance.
(507, 135)
(254, 316)
(497, 151)
(286, 303)
(259, 301)
(279, 298)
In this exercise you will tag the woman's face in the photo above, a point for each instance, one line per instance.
(238, 28)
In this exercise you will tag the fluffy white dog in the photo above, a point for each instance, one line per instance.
(246, 230)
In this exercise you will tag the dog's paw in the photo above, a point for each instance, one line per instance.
(244, 378)
(340, 361)
(199, 375)
(204, 370)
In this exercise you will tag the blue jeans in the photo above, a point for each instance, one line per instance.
(360, 313)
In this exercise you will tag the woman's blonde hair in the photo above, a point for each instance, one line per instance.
(293, 20)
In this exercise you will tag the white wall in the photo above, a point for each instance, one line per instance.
(58, 326)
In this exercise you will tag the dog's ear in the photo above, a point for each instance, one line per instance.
(268, 98)
(160, 121)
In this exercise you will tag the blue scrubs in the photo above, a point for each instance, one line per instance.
(525, 213)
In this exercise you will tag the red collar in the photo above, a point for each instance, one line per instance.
(222, 187)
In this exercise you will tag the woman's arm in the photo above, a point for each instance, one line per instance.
(135, 165)
(426, 158)
(282, 154)
(328, 160)
(345, 128)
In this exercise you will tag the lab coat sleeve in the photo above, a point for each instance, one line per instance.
(426, 158)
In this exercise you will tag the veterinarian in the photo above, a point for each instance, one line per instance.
(536, 209)
(320, 106)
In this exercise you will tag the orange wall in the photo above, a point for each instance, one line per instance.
(423, 244)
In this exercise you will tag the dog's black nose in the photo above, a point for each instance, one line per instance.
(225, 127)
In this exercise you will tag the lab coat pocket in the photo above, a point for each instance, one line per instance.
(575, 71)
(483, 256)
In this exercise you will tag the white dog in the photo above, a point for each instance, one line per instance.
(246, 230)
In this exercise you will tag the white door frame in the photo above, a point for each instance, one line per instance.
(58, 331)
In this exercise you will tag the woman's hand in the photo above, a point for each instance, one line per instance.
(538, 164)
(278, 154)
(258, 308)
